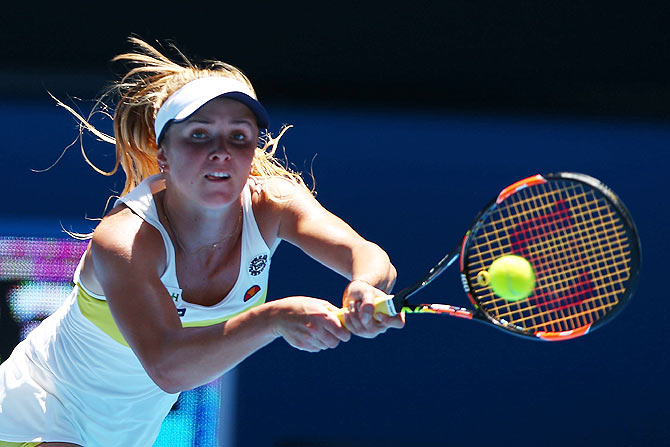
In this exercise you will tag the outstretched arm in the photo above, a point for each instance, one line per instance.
(331, 241)
(127, 258)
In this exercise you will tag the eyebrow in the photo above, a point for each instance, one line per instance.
(242, 121)
(233, 121)
(198, 120)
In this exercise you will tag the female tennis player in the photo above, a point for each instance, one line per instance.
(171, 291)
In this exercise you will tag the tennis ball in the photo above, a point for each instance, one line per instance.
(511, 277)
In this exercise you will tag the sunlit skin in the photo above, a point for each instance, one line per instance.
(195, 211)
(218, 138)
(206, 162)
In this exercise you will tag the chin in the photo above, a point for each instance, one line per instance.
(219, 194)
(219, 200)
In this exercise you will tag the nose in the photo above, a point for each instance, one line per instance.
(220, 150)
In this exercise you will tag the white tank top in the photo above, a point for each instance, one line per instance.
(74, 378)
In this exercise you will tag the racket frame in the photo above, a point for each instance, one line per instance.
(394, 304)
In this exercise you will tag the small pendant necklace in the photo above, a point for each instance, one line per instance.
(211, 246)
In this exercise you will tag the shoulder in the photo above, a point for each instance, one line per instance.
(275, 189)
(276, 200)
(278, 194)
(124, 238)
(122, 226)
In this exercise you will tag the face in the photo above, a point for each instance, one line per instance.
(207, 158)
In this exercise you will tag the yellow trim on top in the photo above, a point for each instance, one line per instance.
(19, 444)
(97, 312)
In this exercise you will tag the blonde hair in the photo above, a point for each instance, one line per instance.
(152, 78)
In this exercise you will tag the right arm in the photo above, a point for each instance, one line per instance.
(126, 259)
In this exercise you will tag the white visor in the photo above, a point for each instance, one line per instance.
(190, 97)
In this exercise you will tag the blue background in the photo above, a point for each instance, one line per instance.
(411, 181)
(412, 116)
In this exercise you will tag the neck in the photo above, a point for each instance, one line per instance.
(196, 230)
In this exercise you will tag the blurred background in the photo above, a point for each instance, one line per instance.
(411, 117)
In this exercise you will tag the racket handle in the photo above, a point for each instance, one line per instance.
(383, 305)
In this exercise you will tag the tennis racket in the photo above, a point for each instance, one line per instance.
(577, 235)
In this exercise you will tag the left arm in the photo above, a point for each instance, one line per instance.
(331, 241)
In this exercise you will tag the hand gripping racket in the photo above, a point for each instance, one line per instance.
(577, 235)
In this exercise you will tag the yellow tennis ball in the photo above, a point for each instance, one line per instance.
(511, 277)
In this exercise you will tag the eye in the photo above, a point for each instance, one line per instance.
(199, 135)
(239, 137)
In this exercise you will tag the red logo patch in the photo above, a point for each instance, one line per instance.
(253, 290)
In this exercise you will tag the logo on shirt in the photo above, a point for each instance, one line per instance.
(175, 294)
(257, 265)
(253, 290)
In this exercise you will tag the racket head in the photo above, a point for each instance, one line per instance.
(583, 246)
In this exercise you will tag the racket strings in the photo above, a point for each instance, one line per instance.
(577, 244)
(571, 287)
(579, 290)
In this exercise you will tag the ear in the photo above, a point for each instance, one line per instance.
(162, 160)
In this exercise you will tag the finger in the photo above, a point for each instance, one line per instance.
(329, 340)
(365, 310)
(323, 336)
(380, 324)
(356, 322)
(338, 330)
(370, 330)
(304, 344)
(353, 322)
(397, 321)
(308, 339)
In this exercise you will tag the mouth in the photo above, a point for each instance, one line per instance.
(217, 176)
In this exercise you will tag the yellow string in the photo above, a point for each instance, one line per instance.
(593, 243)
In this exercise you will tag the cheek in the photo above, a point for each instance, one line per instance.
(247, 157)
(181, 165)
(184, 156)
